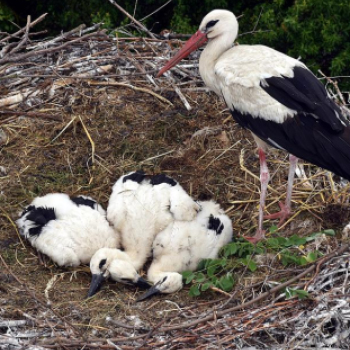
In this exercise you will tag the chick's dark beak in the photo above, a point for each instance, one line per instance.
(152, 291)
(96, 283)
(142, 283)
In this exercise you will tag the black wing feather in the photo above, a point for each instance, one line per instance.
(306, 138)
(305, 94)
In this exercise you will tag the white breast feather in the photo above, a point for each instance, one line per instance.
(239, 72)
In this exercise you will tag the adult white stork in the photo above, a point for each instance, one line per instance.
(273, 95)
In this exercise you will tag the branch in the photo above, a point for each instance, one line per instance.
(142, 27)
(11, 36)
(23, 56)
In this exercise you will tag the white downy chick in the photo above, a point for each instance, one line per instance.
(114, 264)
(66, 231)
(141, 206)
(182, 245)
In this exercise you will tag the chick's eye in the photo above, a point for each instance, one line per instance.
(102, 263)
(211, 24)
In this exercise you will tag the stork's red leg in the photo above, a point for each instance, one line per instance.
(264, 180)
(286, 208)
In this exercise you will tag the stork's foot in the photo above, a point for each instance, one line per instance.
(260, 234)
(42, 259)
(283, 214)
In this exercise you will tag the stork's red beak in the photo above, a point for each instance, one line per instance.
(194, 42)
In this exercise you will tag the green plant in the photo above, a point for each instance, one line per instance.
(219, 272)
(300, 293)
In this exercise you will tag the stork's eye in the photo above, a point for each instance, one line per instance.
(102, 263)
(211, 24)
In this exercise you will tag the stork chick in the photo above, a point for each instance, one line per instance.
(141, 206)
(69, 231)
(182, 245)
(117, 265)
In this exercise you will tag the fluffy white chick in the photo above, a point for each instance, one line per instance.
(114, 264)
(141, 206)
(67, 232)
(182, 245)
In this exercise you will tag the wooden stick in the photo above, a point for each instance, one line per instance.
(139, 24)
(33, 115)
(32, 24)
(26, 55)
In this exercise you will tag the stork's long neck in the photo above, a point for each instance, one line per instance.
(210, 55)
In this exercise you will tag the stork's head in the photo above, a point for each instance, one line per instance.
(216, 24)
(113, 263)
(169, 282)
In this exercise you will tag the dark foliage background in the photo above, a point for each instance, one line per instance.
(317, 31)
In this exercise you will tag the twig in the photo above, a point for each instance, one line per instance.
(339, 94)
(60, 37)
(24, 39)
(90, 139)
(102, 83)
(182, 97)
(32, 24)
(32, 115)
(139, 24)
(24, 56)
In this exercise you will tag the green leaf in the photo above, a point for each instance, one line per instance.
(252, 266)
(206, 286)
(230, 249)
(227, 282)
(211, 270)
(201, 265)
(302, 261)
(273, 229)
(185, 274)
(194, 291)
(329, 232)
(295, 241)
(311, 257)
(200, 277)
(300, 293)
(272, 242)
(188, 276)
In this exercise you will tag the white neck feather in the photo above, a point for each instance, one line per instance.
(213, 51)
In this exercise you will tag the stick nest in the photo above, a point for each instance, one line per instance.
(81, 109)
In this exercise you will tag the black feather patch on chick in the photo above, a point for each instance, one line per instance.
(40, 217)
(215, 224)
(83, 201)
(161, 179)
(137, 176)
